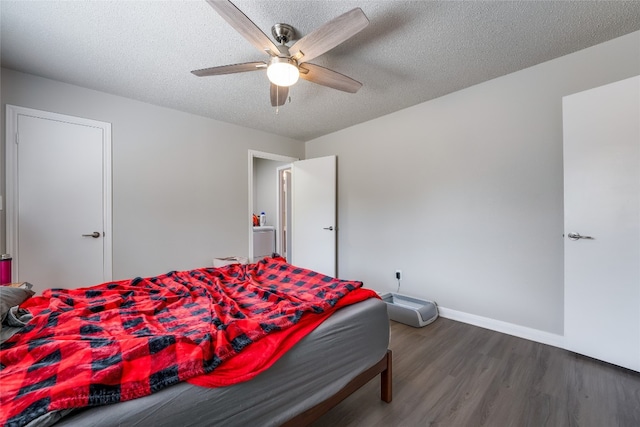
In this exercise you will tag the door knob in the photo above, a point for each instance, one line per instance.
(95, 235)
(330, 228)
(577, 236)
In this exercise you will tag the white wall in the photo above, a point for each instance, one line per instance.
(465, 193)
(179, 180)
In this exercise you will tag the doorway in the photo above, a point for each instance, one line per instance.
(312, 215)
(264, 194)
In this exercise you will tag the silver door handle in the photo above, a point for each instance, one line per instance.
(95, 235)
(330, 228)
(577, 236)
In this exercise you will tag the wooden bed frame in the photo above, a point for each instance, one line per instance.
(383, 367)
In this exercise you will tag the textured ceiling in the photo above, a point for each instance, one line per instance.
(411, 52)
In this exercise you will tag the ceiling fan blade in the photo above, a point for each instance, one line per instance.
(279, 95)
(329, 35)
(230, 69)
(244, 26)
(326, 77)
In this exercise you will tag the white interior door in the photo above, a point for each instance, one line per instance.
(602, 200)
(60, 206)
(313, 225)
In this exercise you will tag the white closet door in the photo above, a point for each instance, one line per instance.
(602, 201)
(59, 204)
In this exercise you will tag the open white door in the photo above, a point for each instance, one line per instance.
(602, 222)
(313, 225)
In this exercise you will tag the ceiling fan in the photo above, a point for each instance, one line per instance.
(287, 64)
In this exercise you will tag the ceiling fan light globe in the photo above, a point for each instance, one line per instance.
(282, 72)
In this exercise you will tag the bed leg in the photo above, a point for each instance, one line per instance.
(386, 383)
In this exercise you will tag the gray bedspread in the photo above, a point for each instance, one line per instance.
(345, 345)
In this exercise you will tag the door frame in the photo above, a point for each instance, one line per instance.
(11, 167)
(252, 154)
(279, 223)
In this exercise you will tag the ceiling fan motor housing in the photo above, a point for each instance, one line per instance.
(283, 33)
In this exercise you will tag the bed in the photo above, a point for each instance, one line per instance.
(338, 355)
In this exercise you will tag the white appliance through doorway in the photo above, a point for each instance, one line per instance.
(58, 198)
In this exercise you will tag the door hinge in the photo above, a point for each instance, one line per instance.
(17, 137)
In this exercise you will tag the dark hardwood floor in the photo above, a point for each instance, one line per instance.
(453, 374)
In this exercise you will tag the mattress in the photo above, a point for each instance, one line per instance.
(345, 345)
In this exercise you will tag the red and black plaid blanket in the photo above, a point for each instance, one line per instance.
(123, 340)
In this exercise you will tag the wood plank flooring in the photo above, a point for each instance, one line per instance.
(453, 374)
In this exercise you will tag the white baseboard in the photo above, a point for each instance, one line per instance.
(504, 327)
